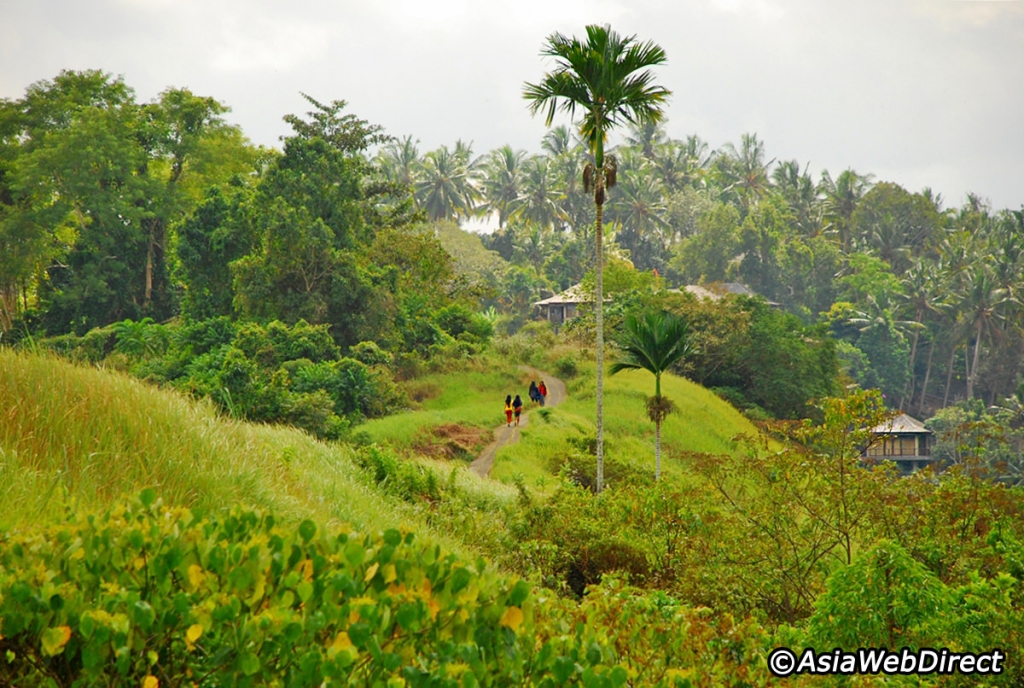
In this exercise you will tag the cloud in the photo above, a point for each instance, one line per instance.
(910, 87)
(255, 43)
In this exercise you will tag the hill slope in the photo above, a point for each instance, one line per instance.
(78, 438)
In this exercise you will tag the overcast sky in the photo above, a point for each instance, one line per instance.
(919, 92)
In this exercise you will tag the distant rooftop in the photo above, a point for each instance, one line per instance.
(574, 294)
(901, 424)
(715, 291)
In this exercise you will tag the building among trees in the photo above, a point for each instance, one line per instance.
(561, 307)
(904, 440)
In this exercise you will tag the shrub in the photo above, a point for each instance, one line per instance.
(276, 343)
(145, 594)
(568, 366)
(369, 353)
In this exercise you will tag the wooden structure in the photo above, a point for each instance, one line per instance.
(904, 440)
(561, 307)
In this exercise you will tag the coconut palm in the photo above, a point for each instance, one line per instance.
(400, 161)
(607, 78)
(502, 182)
(444, 188)
(540, 195)
(558, 141)
(640, 210)
(981, 308)
(744, 172)
(841, 198)
(801, 193)
(654, 343)
(646, 137)
(923, 295)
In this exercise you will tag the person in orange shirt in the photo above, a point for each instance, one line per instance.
(508, 410)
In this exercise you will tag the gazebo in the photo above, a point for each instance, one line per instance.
(904, 440)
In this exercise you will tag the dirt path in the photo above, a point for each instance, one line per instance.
(505, 435)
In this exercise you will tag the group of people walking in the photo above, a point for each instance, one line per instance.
(514, 407)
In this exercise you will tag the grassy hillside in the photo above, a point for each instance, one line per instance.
(75, 437)
(471, 396)
(460, 406)
(703, 422)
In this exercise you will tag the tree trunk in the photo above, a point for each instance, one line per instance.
(911, 386)
(657, 450)
(949, 376)
(974, 364)
(8, 305)
(599, 321)
(927, 374)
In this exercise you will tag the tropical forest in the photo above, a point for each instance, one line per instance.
(252, 401)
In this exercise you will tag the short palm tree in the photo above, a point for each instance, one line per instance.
(607, 78)
(654, 343)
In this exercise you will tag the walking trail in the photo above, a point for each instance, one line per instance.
(505, 435)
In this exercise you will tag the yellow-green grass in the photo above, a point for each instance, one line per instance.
(473, 395)
(81, 438)
(702, 422)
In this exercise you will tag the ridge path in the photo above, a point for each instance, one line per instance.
(504, 435)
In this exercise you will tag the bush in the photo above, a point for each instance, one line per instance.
(369, 353)
(568, 366)
(91, 347)
(276, 343)
(145, 594)
(518, 348)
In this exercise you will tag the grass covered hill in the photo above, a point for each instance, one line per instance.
(76, 438)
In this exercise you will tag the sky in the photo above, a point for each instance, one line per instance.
(924, 93)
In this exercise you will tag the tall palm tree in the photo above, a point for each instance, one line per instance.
(923, 295)
(608, 79)
(640, 210)
(654, 343)
(647, 137)
(801, 193)
(841, 198)
(540, 195)
(981, 306)
(744, 172)
(400, 161)
(502, 182)
(444, 188)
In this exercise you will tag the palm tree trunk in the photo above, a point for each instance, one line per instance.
(657, 450)
(974, 364)
(911, 383)
(599, 318)
(949, 375)
(927, 374)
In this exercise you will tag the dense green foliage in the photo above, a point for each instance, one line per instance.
(155, 596)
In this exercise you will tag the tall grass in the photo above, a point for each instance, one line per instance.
(78, 438)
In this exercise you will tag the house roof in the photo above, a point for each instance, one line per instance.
(716, 290)
(901, 424)
(573, 294)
